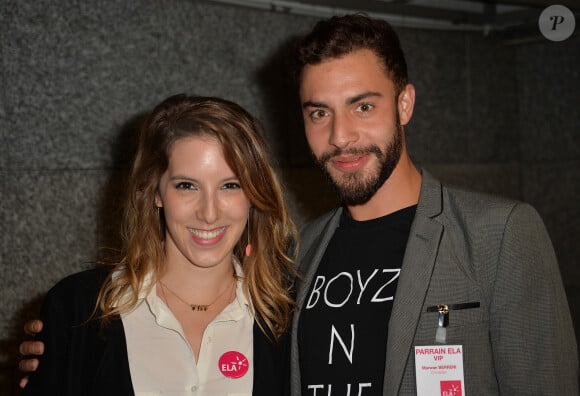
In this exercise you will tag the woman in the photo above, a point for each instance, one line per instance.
(200, 302)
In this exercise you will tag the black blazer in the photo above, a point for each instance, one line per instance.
(82, 357)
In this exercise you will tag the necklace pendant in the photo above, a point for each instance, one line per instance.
(195, 307)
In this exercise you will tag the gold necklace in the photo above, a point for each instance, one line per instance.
(195, 307)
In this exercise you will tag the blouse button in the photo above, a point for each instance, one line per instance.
(194, 388)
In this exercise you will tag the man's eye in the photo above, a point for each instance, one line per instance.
(185, 186)
(365, 107)
(317, 114)
(232, 186)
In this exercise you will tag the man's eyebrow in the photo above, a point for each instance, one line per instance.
(309, 103)
(362, 96)
(349, 101)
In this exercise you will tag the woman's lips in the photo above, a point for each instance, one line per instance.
(207, 237)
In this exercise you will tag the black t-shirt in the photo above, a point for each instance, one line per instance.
(343, 323)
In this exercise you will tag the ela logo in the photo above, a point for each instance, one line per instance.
(450, 388)
(233, 364)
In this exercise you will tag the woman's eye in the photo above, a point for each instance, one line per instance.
(185, 186)
(232, 185)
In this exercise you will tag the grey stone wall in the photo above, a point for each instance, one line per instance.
(76, 76)
(548, 81)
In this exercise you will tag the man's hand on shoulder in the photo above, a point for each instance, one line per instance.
(28, 349)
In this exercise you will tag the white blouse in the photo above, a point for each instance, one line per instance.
(161, 361)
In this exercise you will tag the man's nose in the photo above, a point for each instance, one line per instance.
(343, 131)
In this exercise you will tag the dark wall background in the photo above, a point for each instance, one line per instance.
(76, 76)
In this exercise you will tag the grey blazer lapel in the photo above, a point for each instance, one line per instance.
(312, 247)
(418, 264)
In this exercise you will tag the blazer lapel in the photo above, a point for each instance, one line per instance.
(418, 264)
(309, 260)
(112, 375)
(313, 255)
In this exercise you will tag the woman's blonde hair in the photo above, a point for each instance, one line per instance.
(270, 267)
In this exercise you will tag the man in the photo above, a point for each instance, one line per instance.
(411, 283)
(409, 273)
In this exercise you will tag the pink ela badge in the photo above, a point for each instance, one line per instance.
(233, 364)
(450, 388)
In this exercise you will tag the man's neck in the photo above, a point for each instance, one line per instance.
(399, 191)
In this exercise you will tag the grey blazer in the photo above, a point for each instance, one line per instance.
(470, 247)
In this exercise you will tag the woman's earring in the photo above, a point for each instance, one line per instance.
(160, 219)
(249, 245)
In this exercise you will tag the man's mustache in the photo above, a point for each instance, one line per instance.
(372, 149)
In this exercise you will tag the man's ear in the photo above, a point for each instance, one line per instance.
(406, 103)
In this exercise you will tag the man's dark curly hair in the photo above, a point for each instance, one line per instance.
(339, 36)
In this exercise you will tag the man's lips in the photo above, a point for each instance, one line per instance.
(350, 162)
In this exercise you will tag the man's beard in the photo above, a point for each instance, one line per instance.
(354, 188)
